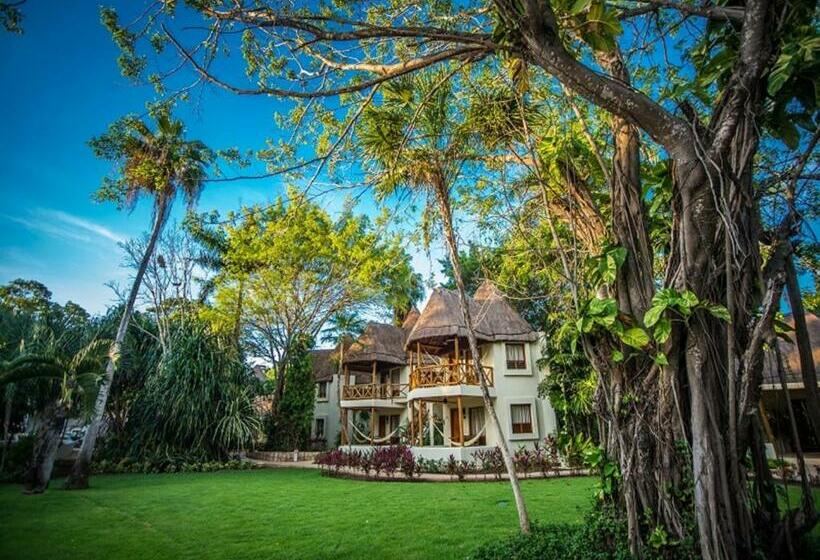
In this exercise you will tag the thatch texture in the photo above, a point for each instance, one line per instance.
(378, 343)
(324, 363)
(410, 320)
(493, 318)
(791, 356)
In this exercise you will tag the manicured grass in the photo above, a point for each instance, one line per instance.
(272, 514)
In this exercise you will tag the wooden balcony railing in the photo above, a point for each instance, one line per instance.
(366, 391)
(450, 373)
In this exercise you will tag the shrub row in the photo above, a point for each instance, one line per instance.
(388, 460)
(542, 457)
(154, 467)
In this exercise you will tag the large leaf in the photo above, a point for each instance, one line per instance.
(653, 314)
(635, 337)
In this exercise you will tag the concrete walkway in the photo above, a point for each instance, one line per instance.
(399, 477)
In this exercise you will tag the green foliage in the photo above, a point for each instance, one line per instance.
(159, 163)
(11, 17)
(287, 268)
(199, 400)
(602, 536)
(290, 427)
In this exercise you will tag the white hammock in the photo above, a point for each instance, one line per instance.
(467, 443)
(368, 439)
(470, 442)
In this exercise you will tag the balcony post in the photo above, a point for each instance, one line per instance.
(344, 426)
(372, 424)
(421, 423)
(460, 421)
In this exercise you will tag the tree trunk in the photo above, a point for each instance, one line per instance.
(78, 478)
(804, 347)
(442, 197)
(9, 390)
(47, 443)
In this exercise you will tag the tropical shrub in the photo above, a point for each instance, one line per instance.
(601, 537)
(198, 402)
(459, 467)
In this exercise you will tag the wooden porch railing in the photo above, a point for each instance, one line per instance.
(367, 391)
(450, 373)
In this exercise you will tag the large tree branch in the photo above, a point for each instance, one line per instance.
(718, 13)
(354, 30)
(471, 53)
(750, 68)
(540, 35)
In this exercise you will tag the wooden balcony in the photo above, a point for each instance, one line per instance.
(374, 391)
(451, 373)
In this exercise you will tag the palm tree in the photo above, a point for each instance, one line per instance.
(341, 329)
(415, 141)
(159, 164)
(77, 375)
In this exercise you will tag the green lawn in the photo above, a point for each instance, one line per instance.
(272, 514)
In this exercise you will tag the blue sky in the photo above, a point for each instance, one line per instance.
(61, 86)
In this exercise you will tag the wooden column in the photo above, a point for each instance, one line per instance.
(764, 419)
(344, 426)
(460, 421)
(421, 423)
(372, 424)
(345, 383)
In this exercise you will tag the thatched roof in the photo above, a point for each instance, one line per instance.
(324, 364)
(791, 356)
(494, 319)
(496, 316)
(378, 343)
(410, 319)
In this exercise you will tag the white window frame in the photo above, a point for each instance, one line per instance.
(323, 435)
(319, 397)
(534, 435)
(526, 370)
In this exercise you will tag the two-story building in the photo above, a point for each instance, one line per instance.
(417, 383)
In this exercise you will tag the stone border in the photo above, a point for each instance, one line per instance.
(294, 456)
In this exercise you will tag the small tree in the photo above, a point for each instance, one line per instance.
(160, 164)
(289, 426)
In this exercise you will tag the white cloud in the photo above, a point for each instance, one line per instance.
(63, 225)
(82, 224)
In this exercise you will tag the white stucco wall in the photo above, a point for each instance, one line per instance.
(329, 410)
(518, 387)
(510, 387)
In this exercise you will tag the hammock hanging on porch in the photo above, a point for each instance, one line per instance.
(471, 441)
(467, 443)
(368, 439)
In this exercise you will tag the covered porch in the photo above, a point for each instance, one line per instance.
(450, 422)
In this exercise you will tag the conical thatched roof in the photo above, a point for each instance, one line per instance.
(496, 316)
(324, 363)
(380, 343)
(494, 319)
(410, 319)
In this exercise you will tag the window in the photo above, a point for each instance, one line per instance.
(521, 418)
(321, 390)
(320, 429)
(475, 417)
(387, 425)
(516, 357)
